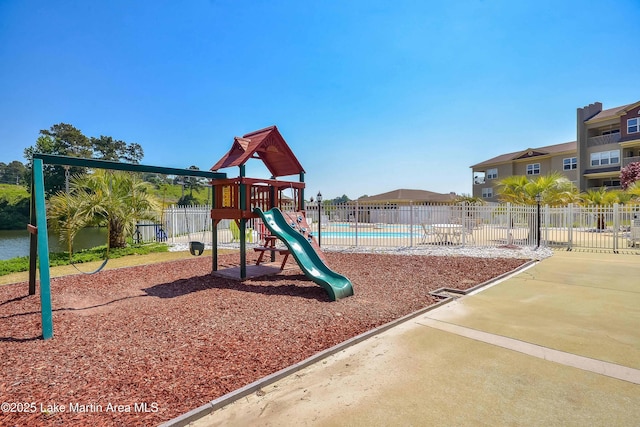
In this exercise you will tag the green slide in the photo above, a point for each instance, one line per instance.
(336, 285)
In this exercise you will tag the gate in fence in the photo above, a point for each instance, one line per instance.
(613, 227)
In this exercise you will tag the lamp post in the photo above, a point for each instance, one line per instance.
(538, 200)
(319, 198)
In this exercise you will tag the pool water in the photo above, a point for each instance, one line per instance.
(352, 234)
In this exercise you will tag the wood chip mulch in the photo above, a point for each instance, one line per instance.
(142, 345)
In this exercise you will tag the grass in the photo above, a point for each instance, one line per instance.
(171, 193)
(131, 260)
(19, 264)
(13, 193)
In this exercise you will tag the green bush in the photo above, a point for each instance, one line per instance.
(14, 265)
(14, 207)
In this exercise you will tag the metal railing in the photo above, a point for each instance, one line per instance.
(417, 225)
(611, 138)
(626, 161)
(612, 227)
(420, 224)
(608, 228)
(608, 187)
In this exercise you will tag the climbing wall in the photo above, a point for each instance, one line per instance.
(298, 221)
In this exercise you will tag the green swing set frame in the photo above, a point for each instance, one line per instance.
(39, 241)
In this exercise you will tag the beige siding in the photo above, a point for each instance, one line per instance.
(557, 164)
(505, 171)
(520, 168)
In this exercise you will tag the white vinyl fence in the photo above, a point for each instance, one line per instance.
(177, 224)
(182, 224)
(612, 228)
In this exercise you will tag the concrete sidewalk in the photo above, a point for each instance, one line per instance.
(557, 344)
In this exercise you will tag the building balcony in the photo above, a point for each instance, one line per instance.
(627, 160)
(594, 141)
(608, 187)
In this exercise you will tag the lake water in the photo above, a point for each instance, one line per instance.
(15, 243)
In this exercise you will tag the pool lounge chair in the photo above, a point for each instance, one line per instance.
(427, 233)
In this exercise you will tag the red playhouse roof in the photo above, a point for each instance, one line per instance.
(265, 144)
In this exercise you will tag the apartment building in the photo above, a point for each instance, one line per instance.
(606, 141)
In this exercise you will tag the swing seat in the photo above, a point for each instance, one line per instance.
(196, 248)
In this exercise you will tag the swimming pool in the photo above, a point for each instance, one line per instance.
(369, 226)
(374, 234)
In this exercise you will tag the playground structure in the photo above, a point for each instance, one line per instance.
(242, 198)
(237, 199)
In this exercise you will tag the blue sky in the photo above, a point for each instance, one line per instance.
(370, 95)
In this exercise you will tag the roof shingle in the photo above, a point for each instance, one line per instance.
(548, 149)
(266, 144)
(407, 195)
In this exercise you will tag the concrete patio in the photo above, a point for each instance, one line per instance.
(556, 344)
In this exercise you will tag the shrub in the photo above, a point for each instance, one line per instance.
(629, 174)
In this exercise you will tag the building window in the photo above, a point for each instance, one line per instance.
(487, 193)
(570, 163)
(632, 125)
(611, 182)
(492, 173)
(615, 157)
(533, 169)
(609, 132)
(604, 158)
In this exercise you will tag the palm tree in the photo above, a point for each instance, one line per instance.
(602, 197)
(553, 188)
(65, 217)
(469, 200)
(634, 191)
(117, 199)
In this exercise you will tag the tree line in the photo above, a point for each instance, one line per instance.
(14, 173)
(67, 140)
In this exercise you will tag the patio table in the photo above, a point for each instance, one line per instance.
(447, 233)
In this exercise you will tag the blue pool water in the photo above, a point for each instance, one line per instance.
(352, 234)
(362, 226)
